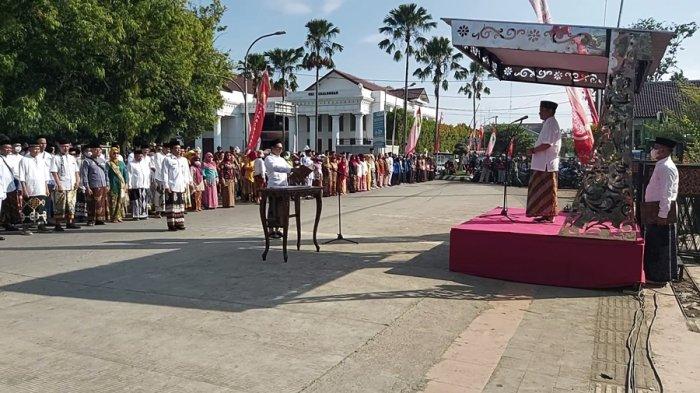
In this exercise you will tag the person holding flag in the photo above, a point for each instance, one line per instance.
(542, 191)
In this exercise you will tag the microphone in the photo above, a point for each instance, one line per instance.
(519, 120)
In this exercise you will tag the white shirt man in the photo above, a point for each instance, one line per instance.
(157, 163)
(389, 168)
(66, 167)
(542, 190)
(259, 165)
(139, 174)
(32, 174)
(308, 162)
(277, 168)
(663, 186)
(176, 173)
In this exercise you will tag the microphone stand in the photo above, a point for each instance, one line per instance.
(504, 210)
(340, 237)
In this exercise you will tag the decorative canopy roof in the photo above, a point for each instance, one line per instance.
(565, 55)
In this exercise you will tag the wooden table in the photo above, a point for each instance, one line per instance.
(294, 193)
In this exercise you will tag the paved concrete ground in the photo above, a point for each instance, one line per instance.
(131, 307)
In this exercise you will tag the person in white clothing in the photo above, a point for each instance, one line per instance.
(10, 208)
(307, 161)
(157, 186)
(139, 183)
(660, 241)
(277, 169)
(389, 168)
(542, 190)
(66, 176)
(177, 179)
(34, 179)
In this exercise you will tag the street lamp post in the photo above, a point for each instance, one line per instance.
(245, 80)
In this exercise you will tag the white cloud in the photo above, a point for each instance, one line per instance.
(290, 7)
(331, 5)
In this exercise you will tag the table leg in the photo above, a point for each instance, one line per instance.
(297, 211)
(319, 204)
(285, 225)
(263, 219)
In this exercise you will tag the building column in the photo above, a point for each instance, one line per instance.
(312, 132)
(217, 133)
(369, 126)
(359, 126)
(335, 131)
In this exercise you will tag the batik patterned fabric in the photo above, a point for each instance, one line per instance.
(661, 253)
(34, 210)
(542, 194)
(175, 210)
(97, 204)
(80, 206)
(64, 204)
(139, 202)
(11, 212)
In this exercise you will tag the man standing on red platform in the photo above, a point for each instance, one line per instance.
(542, 191)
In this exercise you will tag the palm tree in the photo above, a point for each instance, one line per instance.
(320, 50)
(439, 58)
(284, 62)
(257, 64)
(405, 26)
(476, 87)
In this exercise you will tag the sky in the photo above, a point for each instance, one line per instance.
(359, 20)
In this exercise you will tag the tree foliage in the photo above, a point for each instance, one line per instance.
(683, 126)
(285, 62)
(405, 26)
(524, 139)
(117, 70)
(669, 62)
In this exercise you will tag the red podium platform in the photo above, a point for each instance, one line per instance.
(524, 251)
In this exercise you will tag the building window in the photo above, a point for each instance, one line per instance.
(330, 123)
(342, 123)
(319, 147)
(353, 123)
(330, 144)
(352, 141)
(308, 124)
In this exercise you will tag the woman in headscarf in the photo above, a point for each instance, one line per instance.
(198, 180)
(353, 167)
(343, 172)
(210, 198)
(227, 176)
(249, 176)
(333, 175)
(326, 176)
(118, 178)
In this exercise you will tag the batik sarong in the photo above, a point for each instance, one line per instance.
(116, 205)
(542, 194)
(661, 253)
(80, 206)
(138, 198)
(175, 210)
(34, 210)
(97, 205)
(11, 211)
(64, 205)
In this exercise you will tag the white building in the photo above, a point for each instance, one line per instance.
(346, 106)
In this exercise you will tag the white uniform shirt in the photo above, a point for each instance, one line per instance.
(548, 160)
(390, 164)
(66, 166)
(663, 186)
(176, 173)
(32, 171)
(259, 167)
(277, 171)
(158, 166)
(308, 162)
(48, 160)
(139, 174)
(13, 162)
(7, 176)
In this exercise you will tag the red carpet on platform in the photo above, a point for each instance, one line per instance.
(524, 251)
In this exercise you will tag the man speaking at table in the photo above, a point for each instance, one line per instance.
(544, 168)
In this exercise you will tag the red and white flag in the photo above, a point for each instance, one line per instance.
(581, 127)
(436, 148)
(492, 142)
(259, 118)
(414, 134)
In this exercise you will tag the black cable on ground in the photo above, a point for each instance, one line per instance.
(630, 385)
(649, 355)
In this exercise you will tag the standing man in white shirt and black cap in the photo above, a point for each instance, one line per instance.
(177, 178)
(660, 242)
(277, 170)
(66, 176)
(542, 191)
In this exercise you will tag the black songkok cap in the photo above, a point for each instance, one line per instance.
(670, 143)
(93, 145)
(549, 105)
(174, 142)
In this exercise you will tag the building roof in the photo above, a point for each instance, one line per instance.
(233, 84)
(657, 97)
(352, 78)
(413, 94)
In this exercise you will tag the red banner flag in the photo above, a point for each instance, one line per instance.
(258, 119)
(511, 147)
(414, 134)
